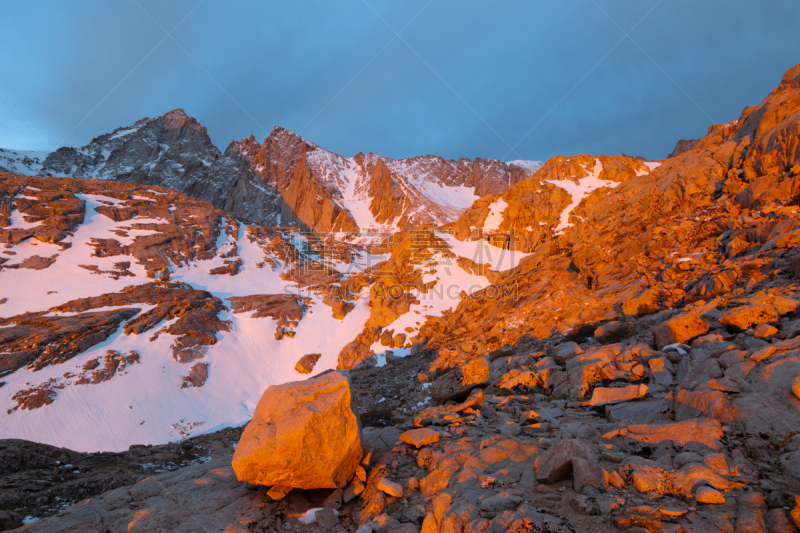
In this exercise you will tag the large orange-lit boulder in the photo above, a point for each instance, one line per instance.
(305, 434)
(679, 329)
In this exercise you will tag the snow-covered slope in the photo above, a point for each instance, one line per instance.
(22, 161)
(173, 270)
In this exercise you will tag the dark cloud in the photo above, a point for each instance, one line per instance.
(508, 80)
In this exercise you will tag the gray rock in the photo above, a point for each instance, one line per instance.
(556, 463)
(790, 462)
(639, 412)
(685, 458)
(504, 501)
(326, 518)
(565, 351)
(587, 473)
(754, 344)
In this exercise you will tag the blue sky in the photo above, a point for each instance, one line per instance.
(456, 78)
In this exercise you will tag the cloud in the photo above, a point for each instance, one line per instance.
(464, 79)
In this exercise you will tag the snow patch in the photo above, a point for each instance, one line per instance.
(528, 166)
(495, 216)
(579, 191)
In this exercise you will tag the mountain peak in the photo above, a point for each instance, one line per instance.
(790, 80)
(279, 132)
(178, 117)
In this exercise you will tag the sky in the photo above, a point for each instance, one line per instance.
(457, 78)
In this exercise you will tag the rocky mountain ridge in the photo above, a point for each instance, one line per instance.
(285, 180)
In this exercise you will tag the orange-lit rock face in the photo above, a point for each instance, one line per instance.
(305, 434)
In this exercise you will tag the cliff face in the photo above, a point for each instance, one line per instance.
(331, 193)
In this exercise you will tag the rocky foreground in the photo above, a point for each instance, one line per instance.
(678, 448)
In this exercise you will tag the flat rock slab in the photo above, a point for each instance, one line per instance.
(699, 431)
(203, 497)
(610, 396)
(420, 437)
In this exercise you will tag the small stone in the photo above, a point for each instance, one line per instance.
(496, 503)
(684, 458)
(440, 504)
(413, 484)
(326, 518)
(724, 385)
(644, 304)
(796, 387)
(565, 351)
(708, 495)
(613, 479)
(764, 331)
(658, 366)
(334, 500)
(361, 474)
(306, 363)
(610, 330)
(353, 489)
(778, 522)
(420, 437)
(278, 492)
(679, 329)
(429, 524)
(422, 378)
(390, 487)
(763, 353)
(383, 523)
(541, 427)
